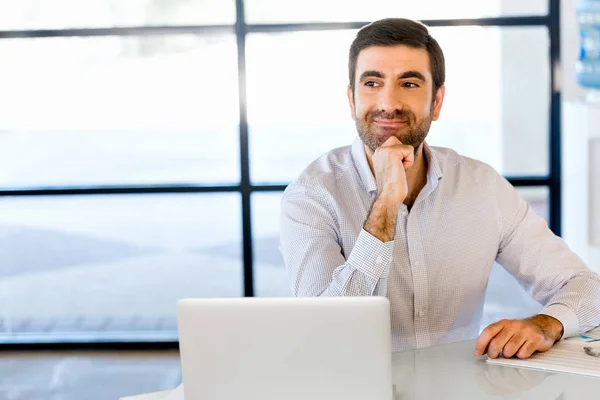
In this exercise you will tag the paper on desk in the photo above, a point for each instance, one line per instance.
(564, 356)
(593, 334)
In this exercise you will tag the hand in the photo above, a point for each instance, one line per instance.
(519, 337)
(389, 163)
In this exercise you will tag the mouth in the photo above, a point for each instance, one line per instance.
(391, 123)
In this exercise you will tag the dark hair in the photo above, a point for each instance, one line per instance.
(399, 31)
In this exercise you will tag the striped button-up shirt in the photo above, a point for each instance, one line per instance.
(435, 271)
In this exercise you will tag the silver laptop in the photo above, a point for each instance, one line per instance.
(329, 348)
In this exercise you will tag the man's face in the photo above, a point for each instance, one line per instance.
(393, 95)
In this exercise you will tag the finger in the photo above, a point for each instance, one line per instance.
(402, 153)
(514, 344)
(391, 141)
(486, 336)
(406, 153)
(409, 157)
(528, 348)
(497, 344)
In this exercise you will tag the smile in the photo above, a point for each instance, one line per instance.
(390, 122)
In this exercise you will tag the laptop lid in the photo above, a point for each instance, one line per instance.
(286, 348)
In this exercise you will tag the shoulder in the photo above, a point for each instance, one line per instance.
(323, 174)
(456, 165)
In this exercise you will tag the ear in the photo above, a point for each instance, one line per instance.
(437, 102)
(350, 95)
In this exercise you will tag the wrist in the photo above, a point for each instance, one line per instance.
(390, 197)
(550, 325)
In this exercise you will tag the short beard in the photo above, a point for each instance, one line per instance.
(415, 136)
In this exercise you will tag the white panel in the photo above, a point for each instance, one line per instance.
(594, 191)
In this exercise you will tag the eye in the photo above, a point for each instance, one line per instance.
(410, 85)
(371, 84)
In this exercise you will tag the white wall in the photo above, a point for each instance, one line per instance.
(581, 177)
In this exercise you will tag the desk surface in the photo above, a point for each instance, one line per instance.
(452, 372)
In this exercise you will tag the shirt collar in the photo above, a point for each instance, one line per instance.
(362, 165)
(434, 170)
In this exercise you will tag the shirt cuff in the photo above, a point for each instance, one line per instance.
(371, 256)
(566, 316)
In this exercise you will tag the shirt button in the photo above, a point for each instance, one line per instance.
(417, 263)
(379, 260)
(404, 213)
(421, 314)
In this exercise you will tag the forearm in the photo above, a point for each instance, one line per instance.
(318, 271)
(365, 272)
(348, 281)
(316, 262)
(577, 304)
(555, 276)
(382, 217)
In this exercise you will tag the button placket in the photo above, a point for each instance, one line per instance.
(421, 283)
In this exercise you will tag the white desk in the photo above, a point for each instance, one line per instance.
(451, 372)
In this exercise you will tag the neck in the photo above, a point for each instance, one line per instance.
(416, 176)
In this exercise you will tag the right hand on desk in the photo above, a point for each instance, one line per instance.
(390, 160)
(519, 338)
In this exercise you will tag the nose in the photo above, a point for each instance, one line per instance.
(390, 100)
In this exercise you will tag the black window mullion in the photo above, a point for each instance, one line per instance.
(555, 172)
(542, 20)
(118, 31)
(245, 186)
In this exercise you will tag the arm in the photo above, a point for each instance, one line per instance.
(543, 263)
(313, 256)
(310, 237)
(546, 267)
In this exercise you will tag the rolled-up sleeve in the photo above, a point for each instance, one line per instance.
(554, 275)
(310, 245)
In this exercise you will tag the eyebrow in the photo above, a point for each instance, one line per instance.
(412, 74)
(404, 75)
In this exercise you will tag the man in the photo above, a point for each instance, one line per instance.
(392, 216)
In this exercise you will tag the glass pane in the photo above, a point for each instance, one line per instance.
(118, 110)
(594, 200)
(275, 11)
(297, 108)
(270, 276)
(495, 109)
(497, 100)
(60, 14)
(505, 297)
(113, 266)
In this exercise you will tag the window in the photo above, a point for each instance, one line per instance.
(113, 266)
(273, 11)
(144, 145)
(119, 111)
(65, 14)
(495, 108)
